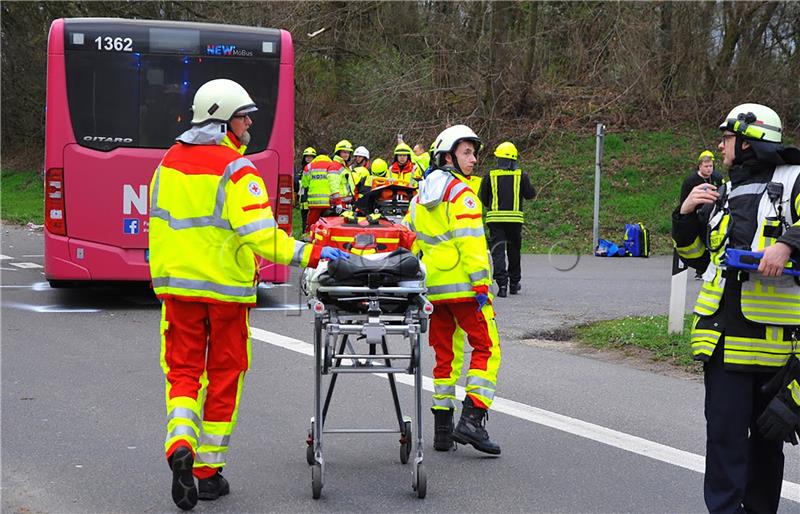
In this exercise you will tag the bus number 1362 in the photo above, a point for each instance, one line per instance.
(118, 44)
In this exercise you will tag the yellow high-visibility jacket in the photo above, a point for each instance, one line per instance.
(323, 183)
(209, 216)
(446, 216)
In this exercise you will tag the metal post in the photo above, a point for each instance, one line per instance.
(598, 165)
(677, 295)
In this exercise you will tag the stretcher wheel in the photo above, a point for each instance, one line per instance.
(420, 484)
(405, 447)
(316, 481)
(310, 455)
(310, 446)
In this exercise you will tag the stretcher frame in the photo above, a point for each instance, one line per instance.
(340, 321)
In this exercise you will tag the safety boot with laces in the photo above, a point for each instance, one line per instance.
(184, 491)
(502, 291)
(213, 487)
(471, 429)
(443, 430)
(515, 288)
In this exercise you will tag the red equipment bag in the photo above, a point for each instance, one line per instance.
(362, 236)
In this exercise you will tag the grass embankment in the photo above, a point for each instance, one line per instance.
(648, 333)
(21, 197)
(641, 180)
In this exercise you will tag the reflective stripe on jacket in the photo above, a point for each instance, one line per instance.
(319, 183)
(209, 215)
(502, 192)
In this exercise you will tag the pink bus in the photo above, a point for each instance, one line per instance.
(118, 93)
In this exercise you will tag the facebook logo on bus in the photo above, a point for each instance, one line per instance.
(131, 226)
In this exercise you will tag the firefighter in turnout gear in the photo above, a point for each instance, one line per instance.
(746, 323)
(502, 192)
(360, 172)
(446, 217)
(341, 165)
(210, 216)
(402, 167)
(301, 183)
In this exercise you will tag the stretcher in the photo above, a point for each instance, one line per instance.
(369, 314)
(389, 197)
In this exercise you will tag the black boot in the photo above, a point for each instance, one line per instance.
(502, 292)
(471, 429)
(184, 492)
(213, 487)
(515, 288)
(443, 430)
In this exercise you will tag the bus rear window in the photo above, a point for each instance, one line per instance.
(144, 101)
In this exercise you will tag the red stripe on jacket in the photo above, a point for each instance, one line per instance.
(251, 207)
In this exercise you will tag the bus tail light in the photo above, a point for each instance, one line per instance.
(54, 214)
(283, 209)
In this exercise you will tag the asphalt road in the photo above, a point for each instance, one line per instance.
(83, 413)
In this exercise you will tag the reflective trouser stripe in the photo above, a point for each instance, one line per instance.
(450, 325)
(444, 395)
(205, 354)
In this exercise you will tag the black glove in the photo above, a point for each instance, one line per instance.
(781, 418)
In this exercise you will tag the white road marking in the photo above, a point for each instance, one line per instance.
(34, 255)
(285, 307)
(601, 434)
(48, 308)
(8, 269)
(4, 257)
(26, 265)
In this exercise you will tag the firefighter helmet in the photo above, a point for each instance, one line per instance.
(449, 138)
(402, 149)
(343, 146)
(310, 151)
(706, 154)
(379, 167)
(361, 151)
(219, 100)
(506, 150)
(754, 121)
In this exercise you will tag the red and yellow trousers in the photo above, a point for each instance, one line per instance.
(449, 324)
(205, 352)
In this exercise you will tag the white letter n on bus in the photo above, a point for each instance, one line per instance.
(129, 197)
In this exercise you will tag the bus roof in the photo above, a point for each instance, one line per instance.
(172, 24)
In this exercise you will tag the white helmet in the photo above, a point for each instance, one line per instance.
(754, 121)
(448, 140)
(361, 152)
(219, 100)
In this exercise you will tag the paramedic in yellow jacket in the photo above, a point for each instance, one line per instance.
(746, 323)
(324, 178)
(210, 216)
(446, 217)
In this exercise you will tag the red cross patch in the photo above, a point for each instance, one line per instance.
(254, 188)
(469, 203)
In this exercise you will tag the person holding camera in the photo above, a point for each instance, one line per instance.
(746, 322)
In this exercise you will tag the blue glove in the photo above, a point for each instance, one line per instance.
(481, 298)
(333, 254)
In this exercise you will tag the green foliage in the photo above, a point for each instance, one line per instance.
(648, 333)
(21, 197)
